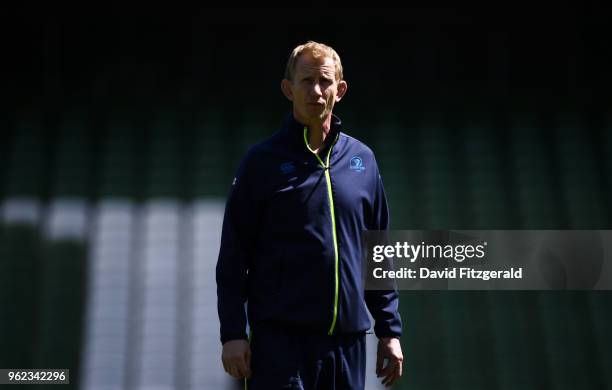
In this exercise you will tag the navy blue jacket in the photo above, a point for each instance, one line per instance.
(291, 245)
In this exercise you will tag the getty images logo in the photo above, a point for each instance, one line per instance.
(356, 164)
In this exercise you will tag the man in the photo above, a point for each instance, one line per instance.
(291, 247)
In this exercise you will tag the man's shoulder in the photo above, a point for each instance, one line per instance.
(264, 149)
(266, 145)
(356, 144)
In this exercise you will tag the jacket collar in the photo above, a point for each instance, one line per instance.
(295, 130)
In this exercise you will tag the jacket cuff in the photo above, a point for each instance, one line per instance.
(381, 335)
(388, 330)
(233, 336)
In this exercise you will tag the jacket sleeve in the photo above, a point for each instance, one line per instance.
(237, 239)
(383, 304)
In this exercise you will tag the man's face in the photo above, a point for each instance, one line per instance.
(314, 89)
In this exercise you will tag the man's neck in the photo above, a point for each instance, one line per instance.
(317, 133)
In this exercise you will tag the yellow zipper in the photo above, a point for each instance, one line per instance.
(333, 218)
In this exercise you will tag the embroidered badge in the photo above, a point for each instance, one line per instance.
(287, 167)
(356, 164)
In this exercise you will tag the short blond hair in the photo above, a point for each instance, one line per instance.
(317, 50)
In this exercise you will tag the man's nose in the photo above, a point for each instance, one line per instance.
(316, 89)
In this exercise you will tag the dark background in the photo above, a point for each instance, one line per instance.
(394, 58)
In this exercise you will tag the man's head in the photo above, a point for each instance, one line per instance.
(313, 82)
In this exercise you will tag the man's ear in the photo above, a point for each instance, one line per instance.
(342, 87)
(286, 88)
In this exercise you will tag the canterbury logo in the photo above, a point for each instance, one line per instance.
(287, 167)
